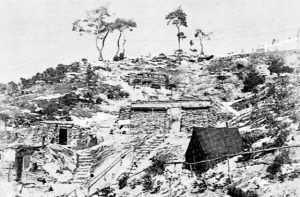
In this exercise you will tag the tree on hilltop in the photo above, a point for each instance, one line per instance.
(177, 18)
(199, 33)
(95, 24)
(121, 25)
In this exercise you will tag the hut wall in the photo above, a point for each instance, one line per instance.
(149, 122)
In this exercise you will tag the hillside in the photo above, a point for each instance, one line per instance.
(256, 93)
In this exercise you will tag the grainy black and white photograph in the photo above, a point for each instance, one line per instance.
(149, 98)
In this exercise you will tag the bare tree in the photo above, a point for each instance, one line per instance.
(202, 36)
(177, 18)
(95, 24)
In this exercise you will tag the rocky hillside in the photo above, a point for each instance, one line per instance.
(255, 92)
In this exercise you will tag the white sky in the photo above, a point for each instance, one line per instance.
(36, 34)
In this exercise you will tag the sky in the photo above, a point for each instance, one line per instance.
(37, 34)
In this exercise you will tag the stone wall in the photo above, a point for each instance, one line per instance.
(152, 117)
(147, 79)
(195, 118)
(149, 122)
(205, 117)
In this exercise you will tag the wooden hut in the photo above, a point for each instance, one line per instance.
(210, 143)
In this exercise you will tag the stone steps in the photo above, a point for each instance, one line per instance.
(144, 150)
(82, 173)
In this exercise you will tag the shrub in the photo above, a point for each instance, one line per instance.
(275, 167)
(201, 186)
(252, 80)
(277, 65)
(147, 182)
(119, 57)
(221, 78)
(122, 182)
(107, 192)
(69, 99)
(157, 167)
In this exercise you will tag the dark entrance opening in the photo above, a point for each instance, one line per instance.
(63, 137)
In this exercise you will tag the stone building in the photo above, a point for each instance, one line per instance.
(59, 132)
(155, 116)
(63, 133)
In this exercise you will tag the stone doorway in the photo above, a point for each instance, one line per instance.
(63, 136)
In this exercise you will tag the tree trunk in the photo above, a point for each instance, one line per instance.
(178, 36)
(118, 43)
(124, 41)
(100, 58)
(201, 45)
(103, 42)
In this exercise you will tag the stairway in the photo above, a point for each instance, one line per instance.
(85, 162)
(144, 150)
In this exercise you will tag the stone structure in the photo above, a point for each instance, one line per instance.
(63, 133)
(59, 132)
(150, 79)
(192, 117)
(155, 117)
(207, 116)
(155, 120)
